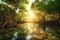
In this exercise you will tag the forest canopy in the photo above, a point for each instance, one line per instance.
(16, 12)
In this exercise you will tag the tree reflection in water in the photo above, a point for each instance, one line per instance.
(37, 32)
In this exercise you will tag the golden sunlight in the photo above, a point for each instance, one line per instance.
(30, 28)
(30, 15)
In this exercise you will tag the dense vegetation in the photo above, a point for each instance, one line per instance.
(12, 13)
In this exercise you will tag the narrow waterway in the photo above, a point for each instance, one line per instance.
(36, 31)
(29, 31)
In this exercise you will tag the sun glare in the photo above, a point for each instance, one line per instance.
(30, 13)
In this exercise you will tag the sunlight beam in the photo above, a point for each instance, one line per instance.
(30, 15)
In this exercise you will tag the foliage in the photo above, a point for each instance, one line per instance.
(48, 12)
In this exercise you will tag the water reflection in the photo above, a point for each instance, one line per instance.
(28, 37)
(32, 28)
(29, 31)
(35, 30)
(15, 36)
